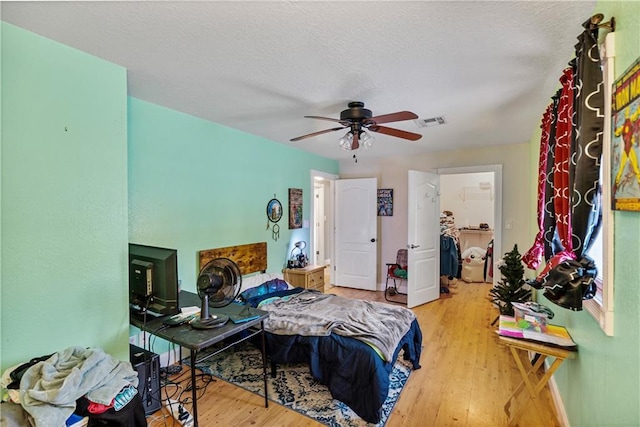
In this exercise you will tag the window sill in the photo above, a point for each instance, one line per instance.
(604, 318)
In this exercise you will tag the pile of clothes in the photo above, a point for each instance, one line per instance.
(51, 390)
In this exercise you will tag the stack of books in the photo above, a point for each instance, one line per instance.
(554, 334)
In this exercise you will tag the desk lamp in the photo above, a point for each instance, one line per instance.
(298, 258)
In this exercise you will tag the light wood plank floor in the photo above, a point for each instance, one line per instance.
(466, 376)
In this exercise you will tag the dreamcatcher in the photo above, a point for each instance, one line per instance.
(274, 213)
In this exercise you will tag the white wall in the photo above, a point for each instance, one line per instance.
(392, 173)
(467, 196)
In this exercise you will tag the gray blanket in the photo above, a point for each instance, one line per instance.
(315, 314)
(49, 389)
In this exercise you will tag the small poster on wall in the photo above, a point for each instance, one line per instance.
(295, 208)
(625, 140)
(385, 202)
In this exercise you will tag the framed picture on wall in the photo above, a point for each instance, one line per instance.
(274, 210)
(295, 208)
(625, 133)
(385, 202)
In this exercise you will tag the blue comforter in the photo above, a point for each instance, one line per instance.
(354, 373)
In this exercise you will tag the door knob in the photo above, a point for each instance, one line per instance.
(373, 240)
(413, 246)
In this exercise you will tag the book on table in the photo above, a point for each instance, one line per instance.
(553, 334)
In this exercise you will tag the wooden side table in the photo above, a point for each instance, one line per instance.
(530, 380)
(309, 277)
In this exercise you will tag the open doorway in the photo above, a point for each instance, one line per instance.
(475, 186)
(322, 208)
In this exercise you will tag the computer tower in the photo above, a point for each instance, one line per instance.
(147, 365)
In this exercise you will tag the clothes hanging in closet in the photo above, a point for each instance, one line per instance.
(449, 246)
(448, 257)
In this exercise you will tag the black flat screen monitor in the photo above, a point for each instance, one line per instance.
(153, 280)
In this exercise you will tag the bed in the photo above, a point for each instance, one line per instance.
(353, 358)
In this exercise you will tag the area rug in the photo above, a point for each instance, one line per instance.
(295, 388)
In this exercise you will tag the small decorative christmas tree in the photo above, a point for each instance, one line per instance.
(510, 289)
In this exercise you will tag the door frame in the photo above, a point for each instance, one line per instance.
(497, 204)
(329, 246)
(317, 255)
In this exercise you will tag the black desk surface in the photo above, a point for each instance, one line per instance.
(197, 339)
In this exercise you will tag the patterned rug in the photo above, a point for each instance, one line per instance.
(295, 388)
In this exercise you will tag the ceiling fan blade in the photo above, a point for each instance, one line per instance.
(396, 132)
(355, 144)
(323, 118)
(320, 132)
(393, 117)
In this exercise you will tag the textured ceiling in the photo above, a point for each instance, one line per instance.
(488, 67)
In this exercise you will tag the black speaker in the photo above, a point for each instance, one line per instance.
(147, 365)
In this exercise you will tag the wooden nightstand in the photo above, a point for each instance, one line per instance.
(309, 277)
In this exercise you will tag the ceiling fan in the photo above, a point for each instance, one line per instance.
(357, 120)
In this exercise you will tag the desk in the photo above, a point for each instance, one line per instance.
(529, 376)
(199, 339)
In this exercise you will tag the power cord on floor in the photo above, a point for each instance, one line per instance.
(171, 370)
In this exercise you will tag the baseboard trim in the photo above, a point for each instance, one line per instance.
(173, 356)
(559, 404)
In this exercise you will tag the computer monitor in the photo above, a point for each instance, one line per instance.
(153, 280)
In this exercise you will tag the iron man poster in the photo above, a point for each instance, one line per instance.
(625, 140)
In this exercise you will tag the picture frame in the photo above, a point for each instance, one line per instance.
(385, 202)
(625, 132)
(274, 210)
(295, 208)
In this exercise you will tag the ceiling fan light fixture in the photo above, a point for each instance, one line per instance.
(356, 119)
(346, 141)
(366, 140)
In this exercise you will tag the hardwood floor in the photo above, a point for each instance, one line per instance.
(466, 376)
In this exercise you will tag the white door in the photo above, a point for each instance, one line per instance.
(423, 263)
(356, 233)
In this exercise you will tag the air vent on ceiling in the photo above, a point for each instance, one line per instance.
(433, 121)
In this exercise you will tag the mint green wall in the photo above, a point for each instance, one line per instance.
(67, 212)
(601, 387)
(63, 200)
(195, 185)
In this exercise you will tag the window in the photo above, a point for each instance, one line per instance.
(601, 307)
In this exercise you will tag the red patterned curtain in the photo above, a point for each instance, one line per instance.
(533, 256)
(553, 200)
